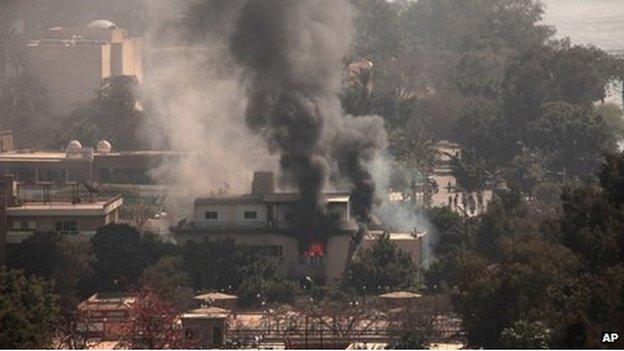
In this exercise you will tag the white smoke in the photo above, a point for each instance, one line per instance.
(198, 108)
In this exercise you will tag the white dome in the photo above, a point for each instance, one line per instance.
(73, 145)
(104, 146)
(102, 24)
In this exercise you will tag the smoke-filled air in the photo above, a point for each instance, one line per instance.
(311, 174)
(292, 54)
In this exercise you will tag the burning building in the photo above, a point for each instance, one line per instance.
(268, 221)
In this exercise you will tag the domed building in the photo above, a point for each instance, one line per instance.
(73, 145)
(102, 24)
(104, 147)
(72, 62)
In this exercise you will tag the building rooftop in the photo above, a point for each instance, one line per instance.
(272, 198)
(61, 208)
(38, 156)
(207, 312)
(374, 234)
(400, 295)
(107, 301)
(216, 296)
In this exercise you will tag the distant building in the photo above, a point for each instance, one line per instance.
(83, 164)
(6, 140)
(105, 316)
(206, 327)
(415, 244)
(72, 62)
(78, 216)
(265, 220)
(216, 299)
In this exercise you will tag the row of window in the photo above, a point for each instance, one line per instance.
(65, 227)
(215, 215)
(288, 217)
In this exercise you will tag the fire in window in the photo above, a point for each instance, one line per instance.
(211, 215)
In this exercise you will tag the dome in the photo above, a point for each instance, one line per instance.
(104, 146)
(74, 145)
(102, 24)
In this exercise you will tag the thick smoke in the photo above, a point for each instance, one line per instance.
(197, 102)
(292, 53)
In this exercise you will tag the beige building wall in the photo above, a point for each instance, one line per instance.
(70, 74)
(48, 224)
(72, 62)
(336, 254)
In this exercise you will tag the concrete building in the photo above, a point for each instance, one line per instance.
(78, 216)
(415, 244)
(265, 220)
(105, 316)
(6, 140)
(216, 299)
(83, 164)
(206, 327)
(72, 62)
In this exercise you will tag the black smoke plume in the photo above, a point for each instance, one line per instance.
(293, 53)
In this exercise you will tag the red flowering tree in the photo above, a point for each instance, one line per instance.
(153, 324)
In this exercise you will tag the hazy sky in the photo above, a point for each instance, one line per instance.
(597, 22)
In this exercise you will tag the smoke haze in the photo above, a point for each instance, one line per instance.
(198, 105)
(292, 53)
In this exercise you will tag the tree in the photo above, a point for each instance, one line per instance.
(520, 285)
(61, 259)
(168, 279)
(525, 335)
(121, 254)
(613, 117)
(114, 114)
(36, 255)
(526, 171)
(574, 137)
(413, 339)
(471, 173)
(382, 266)
(73, 264)
(153, 324)
(216, 265)
(28, 311)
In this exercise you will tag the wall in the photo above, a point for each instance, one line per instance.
(70, 74)
(336, 255)
(232, 215)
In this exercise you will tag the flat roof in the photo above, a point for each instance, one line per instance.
(216, 296)
(39, 156)
(400, 295)
(273, 197)
(64, 208)
(374, 234)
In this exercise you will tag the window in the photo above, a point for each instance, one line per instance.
(211, 215)
(288, 217)
(269, 250)
(23, 225)
(334, 216)
(251, 214)
(67, 227)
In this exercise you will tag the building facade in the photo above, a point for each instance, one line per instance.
(71, 63)
(265, 220)
(83, 164)
(78, 216)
